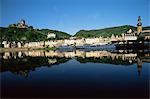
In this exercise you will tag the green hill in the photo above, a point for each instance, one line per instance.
(59, 34)
(146, 28)
(28, 34)
(106, 32)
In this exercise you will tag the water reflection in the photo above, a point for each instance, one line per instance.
(21, 63)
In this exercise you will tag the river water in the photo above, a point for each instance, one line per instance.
(88, 74)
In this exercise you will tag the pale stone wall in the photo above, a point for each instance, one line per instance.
(6, 55)
(74, 42)
(147, 37)
(35, 53)
(130, 37)
(50, 43)
(6, 45)
(69, 42)
(59, 42)
(83, 54)
(36, 44)
(80, 42)
(113, 38)
(92, 40)
(41, 44)
(52, 61)
(120, 38)
(19, 45)
(77, 53)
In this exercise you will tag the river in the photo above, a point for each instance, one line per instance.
(88, 74)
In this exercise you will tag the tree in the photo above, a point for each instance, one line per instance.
(30, 28)
(12, 25)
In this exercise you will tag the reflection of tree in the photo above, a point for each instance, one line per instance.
(23, 64)
(26, 64)
(104, 60)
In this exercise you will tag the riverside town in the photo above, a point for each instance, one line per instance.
(74, 49)
(20, 36)
(110, 62)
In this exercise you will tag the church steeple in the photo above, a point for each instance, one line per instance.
(139, 25)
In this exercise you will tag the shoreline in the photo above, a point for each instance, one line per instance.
(24, 49)
(14, 49)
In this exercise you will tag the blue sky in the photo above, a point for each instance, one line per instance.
(73, 15)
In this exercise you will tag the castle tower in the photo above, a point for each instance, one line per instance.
(139, 26)
(22, 22)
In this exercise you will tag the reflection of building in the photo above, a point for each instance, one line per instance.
(52, 61)
(29, 60)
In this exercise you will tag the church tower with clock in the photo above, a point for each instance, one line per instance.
(139, 26)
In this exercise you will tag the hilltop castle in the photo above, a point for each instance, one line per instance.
(22, 24)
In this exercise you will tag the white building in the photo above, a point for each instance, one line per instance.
(51, 35)
(130, 36)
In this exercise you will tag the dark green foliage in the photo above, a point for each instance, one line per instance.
(29, 34)
(146, 28)
(103, 60)
(24, 65)
(106, 32)
(59, 34)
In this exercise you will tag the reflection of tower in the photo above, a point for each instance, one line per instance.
(139, 25)
(139, 66)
